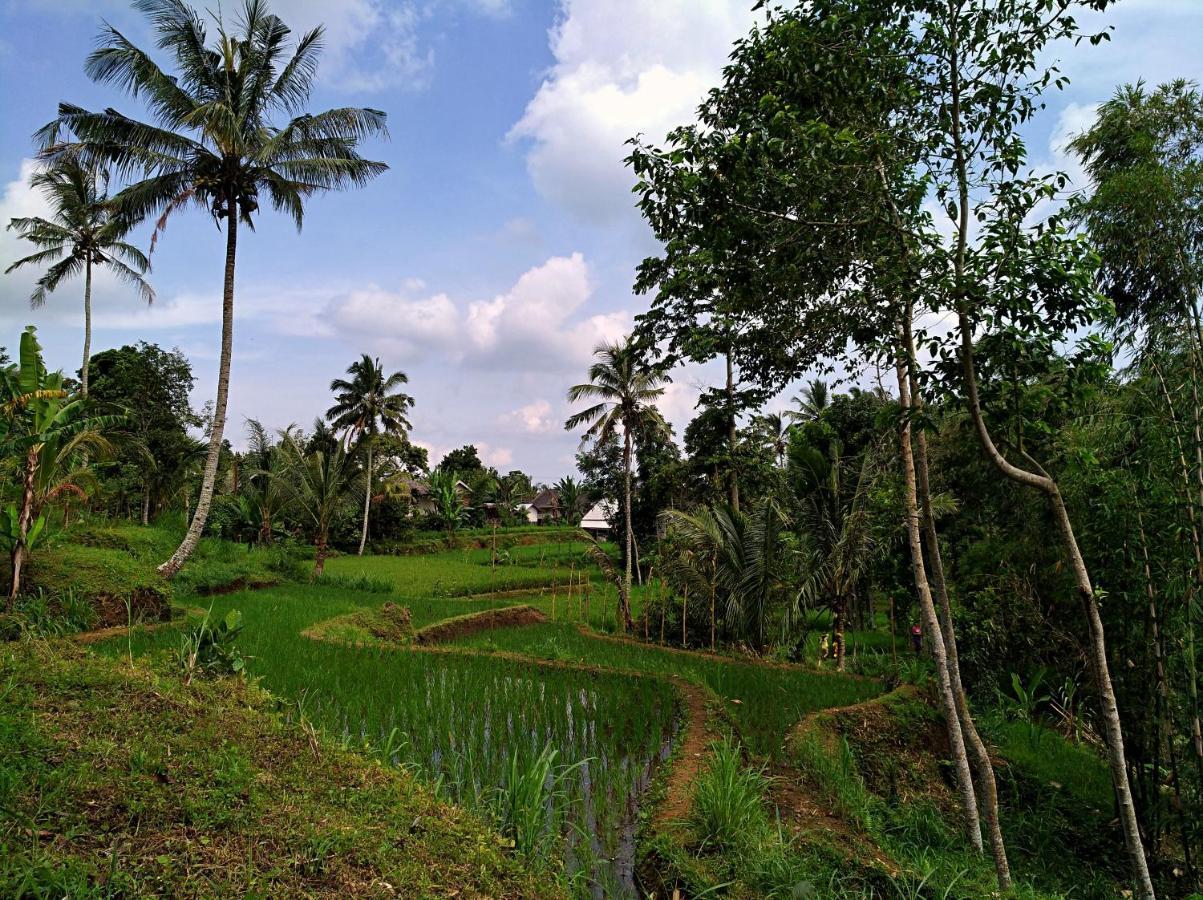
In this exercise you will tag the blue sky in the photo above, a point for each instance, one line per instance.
(501, 245)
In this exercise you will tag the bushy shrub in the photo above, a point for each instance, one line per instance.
(209, 648)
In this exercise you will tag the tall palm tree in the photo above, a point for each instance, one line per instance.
(773, 429)
(365, 406)
(319, 485)
(81, 234)
(262, 487)
(626, 388)
(815, 398)
(215, 144)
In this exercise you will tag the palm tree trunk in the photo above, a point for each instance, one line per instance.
(931, 622)
(83, 369)
(319, 558)
(367, 503)
(624, 600)
(837, 631)
(983, 768)
(217, 429)
(145, 502)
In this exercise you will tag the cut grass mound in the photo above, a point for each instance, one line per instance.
(476, 622)
(107, 578)
(124, 782)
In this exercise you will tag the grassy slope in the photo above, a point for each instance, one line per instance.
(119, 781)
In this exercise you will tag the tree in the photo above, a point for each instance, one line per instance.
(1144, 155)
(572, 499)
(448, 501)
(740, 556)
(626, 388)
(365, 407)
(809, 404)
(214, 144)
(319, 486)
(43, 427)
(150, 387)
(465, 461)
(263, 486)
(85, 228)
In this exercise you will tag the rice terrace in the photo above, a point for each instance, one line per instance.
(754, 450)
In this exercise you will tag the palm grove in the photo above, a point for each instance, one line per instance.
(997, 437)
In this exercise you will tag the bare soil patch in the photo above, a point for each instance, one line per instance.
(487, 620)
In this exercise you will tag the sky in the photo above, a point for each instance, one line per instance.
(501, 245)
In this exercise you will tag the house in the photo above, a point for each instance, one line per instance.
(546, 507)
(597, 519)
(422, 501)
(527, 511)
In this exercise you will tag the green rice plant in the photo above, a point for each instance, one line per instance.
(355, 582)
(727, 812)
(523, 804)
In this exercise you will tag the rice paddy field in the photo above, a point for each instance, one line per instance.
(556, 711)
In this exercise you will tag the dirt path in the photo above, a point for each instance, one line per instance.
(694, 747)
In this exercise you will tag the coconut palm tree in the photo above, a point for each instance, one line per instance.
(215, 144)
(815, 398)
(626, 388)
(262, 488)
(365, 406)
(448, 501)
(82, 234)
(320, 486)
(773, 429)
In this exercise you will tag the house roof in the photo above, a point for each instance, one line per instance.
(546, 499)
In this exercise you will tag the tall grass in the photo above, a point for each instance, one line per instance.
(727, 813)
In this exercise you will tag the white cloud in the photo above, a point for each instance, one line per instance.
(370, 44)
(533, 418)
(532, 326)
(622, 67)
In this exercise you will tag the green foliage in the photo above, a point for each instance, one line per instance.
(523, 805)
(727, 813)
(210, 649)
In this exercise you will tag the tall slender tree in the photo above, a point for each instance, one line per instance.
(626, 388)
(82, 234)
(366, 406)
(215, 144)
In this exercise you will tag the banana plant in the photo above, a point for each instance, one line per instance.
(44, 431)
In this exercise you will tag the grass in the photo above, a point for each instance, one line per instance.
(121, 782)
(764, 701)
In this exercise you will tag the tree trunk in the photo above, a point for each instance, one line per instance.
(20, 550)
(319, 558)
(83, 369)
(624, 599)
(931, 622)
(983, 768)
(367, 504)
(837, 631)
(732, 477)
(208, 481)
(1113, 731)
(145, 502)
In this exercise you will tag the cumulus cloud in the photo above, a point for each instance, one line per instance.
(533, 418)
(370, 44)
(622, 67)
(533, 326)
